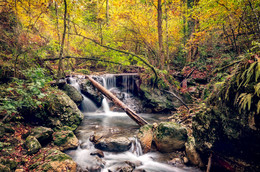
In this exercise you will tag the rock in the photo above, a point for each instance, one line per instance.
(185, 160)
(191, 152)
(175, 161)
(134, 164)
(125, 168)
(73, 93)
(65, 140)
(60, 111)
(157, 100)
(145, 136)
(3, 168)
(99, 153)
(42, 134)
(118, 144)
(52, 160)
(91, 92)
(32, 145)
(169, 136)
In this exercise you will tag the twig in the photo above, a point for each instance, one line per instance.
(177, 98)
(209, 163)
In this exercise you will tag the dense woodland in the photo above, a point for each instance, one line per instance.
(205, 51)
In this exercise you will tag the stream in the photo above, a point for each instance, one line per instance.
(102, 121)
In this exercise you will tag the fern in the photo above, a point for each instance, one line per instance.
(257, 71)
(244, 100)
(257, 89)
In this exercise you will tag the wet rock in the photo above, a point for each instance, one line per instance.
(65, 140)
(169, 136)
(32, 145)
(42, 134)
(73, 93)
(175, 161)
(99, 153)
(185, 160)
(192, 153)
(134, 164)
(91, 92)
(157, 100)
(145, 135)
(118, 144)
(53, 160)
(125, 168)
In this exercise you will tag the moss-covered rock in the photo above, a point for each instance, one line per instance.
(65, 140)
(73, 93)
(169, 136)
(145, 135)
(91, 92)
(32, 145)
(42, 134)
(59, 111)
(52, 160)
(157, 100)
(113, 144)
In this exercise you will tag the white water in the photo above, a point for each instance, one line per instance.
(105, 121)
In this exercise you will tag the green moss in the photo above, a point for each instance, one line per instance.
(59, 157)
(62, 137)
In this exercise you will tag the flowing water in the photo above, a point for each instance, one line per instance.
(105, 122)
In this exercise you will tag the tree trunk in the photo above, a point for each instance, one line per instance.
(139, 120)
(63, 40)
(107, 11)
(160, 36)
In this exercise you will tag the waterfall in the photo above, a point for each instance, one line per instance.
(87, 105)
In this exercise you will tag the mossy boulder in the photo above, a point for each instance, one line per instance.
(157, 100)
(91, 92)
(170, 136)
(65, 140)
(145, 135)
(73, 93)
(52, 160)
(42, 134)
(32, 145)
(59, 111)
(113, 144)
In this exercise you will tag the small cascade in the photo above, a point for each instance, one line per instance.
(136, 147)
(87, 105)
(110, 81)
(128, 83)
(105, 105)
(74, 83)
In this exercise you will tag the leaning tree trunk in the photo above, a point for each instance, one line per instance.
(139, 120)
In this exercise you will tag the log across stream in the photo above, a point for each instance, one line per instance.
(112, 125)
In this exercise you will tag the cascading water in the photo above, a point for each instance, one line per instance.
(112, 123)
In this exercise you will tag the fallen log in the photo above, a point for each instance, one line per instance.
(139, 120)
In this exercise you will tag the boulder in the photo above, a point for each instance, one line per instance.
(191, 152)
(73, 93)
(113, 144)
(32, 145)
(42, 134)
(169, 136)
(145, 136)
(52, 160)
(60, 111)
(91, 92)
(157, 100)
(65, 140)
